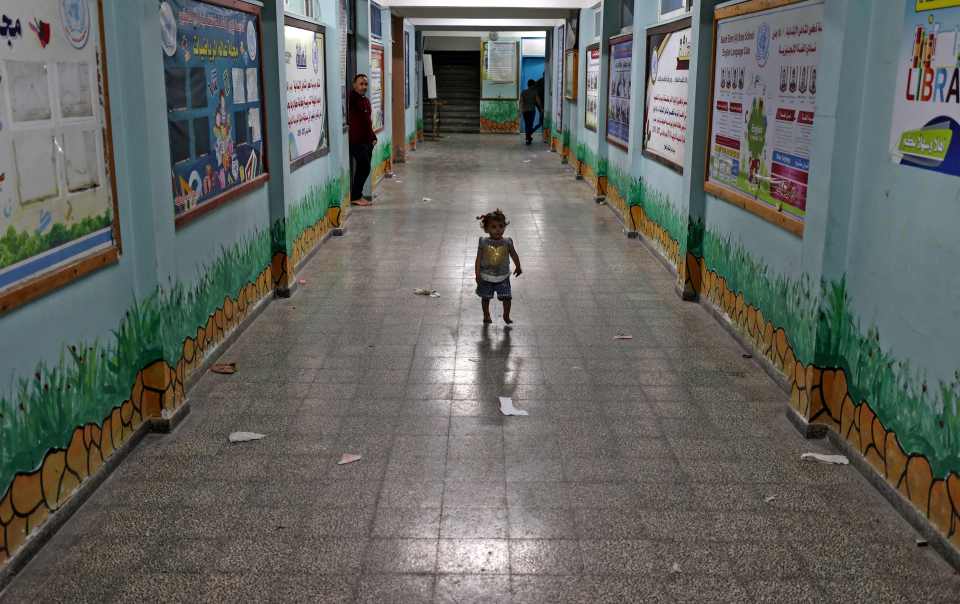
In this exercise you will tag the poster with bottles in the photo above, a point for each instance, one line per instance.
(211, 64)
(376, 86)
(762, 110)
(925, 130)
(666, 107)
(57, 195)
(591, 109)
(305, 67)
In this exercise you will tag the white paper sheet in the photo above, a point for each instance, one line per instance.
(428, 65)
(253, 120)
(507, 408)
(36, 167)
(239, 77)
(431, 87)
(81, 160)
(839, 460)
(253, 87)
(29, 90)
(242, 437)
(76, 99)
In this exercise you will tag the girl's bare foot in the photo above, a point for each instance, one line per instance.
(508, 320)
(487, 320)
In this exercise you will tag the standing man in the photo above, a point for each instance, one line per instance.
(362, 138)
(529, 103)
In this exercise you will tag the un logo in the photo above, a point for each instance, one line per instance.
(763, 44)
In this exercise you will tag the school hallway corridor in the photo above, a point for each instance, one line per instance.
(660, 468)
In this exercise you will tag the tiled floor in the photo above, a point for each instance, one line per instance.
(642, 473)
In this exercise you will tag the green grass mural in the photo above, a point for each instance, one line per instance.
(91, 378)
(312, 208)
(381, 153)
(20, 245)
(500, 112)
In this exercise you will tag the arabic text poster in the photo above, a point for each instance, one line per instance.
(376, 86)
(925, 131)
(558, 79)
(56, 194)
(211, 76)
(306, 94)
(665, 135)
(764, 97)
(618, 94)
(591, 108)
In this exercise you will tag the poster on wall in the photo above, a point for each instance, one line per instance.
(590, 107)
(500, 61)
(376, 86)
(763, 101)
(305, 67)
(342, 21)
(665, 109)
(925, 131)
(618, 92)
(211, 59)
(58, 217)
(570, 74)
(557, 48)
(406, 69)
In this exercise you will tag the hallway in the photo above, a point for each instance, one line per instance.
(660, 468)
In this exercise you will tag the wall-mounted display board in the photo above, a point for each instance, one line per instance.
(499, 61)
(406, 69)
(925, 131)
(570, 74)
(763, 99)
(620, 82)
(306, 69)
(591, 109)
(557, 48)
(343, 16)
(213, 78)
(376, 86)
(58, 209)
(665, 109)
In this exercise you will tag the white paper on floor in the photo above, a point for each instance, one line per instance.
(769, 498)
(242, 437)
(507, 408)
(427, 200)
(423, 291)
(839, 460)
(675, 569)
(349, 458)
(526, 161)
(622, 336)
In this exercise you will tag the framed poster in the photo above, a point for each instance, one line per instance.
(58, 200)
(620, 72)
(592, 87)
(557, 48)
(925, 126)
(376, 20)
(499, 61)
(665, 109)
(406, 69)
(376, 86)
(763, 98)
(570, 74)
(213, 78)
(305, 65)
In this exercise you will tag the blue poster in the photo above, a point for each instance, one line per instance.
(211, 59)
(618, 94)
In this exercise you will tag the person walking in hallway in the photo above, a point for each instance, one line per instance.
(362, 138)
(529, 104)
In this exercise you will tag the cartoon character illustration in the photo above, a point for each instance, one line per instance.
(756, 137)
(222, 133)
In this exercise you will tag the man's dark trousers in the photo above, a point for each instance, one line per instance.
(528, 123)
(360, 154)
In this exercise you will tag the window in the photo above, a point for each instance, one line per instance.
(176, 89)
(376, 20)
(626, 14)
(670, 9)
(598, 21)
(198, 87)
(179, 141)
(240, 127)
(201, 136)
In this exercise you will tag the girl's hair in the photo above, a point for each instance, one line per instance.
(494, 216)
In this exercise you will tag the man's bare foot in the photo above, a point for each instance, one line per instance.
(361, 202)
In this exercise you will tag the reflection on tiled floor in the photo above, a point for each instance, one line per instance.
(642, 473)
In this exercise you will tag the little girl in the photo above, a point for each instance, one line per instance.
(493, 264)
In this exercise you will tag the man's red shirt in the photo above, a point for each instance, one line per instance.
(360, 120)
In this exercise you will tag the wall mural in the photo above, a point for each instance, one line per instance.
(499, 116)
(58, 426)
(212, 75)
(58, 216)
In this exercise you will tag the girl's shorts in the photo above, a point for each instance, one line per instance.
(485, 289)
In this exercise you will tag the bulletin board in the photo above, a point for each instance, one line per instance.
(305, 65)
(406, 69)
(591, 109)
(213, 78)
(556, 48)
(620, 84)
(499, 61)
(376, 86)
(763, 101)
(58, 205)
(570, 75)
(343, 25)
(665, 109)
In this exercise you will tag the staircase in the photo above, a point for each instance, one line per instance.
(458, 85)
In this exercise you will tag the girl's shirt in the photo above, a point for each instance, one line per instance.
(495, 259)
